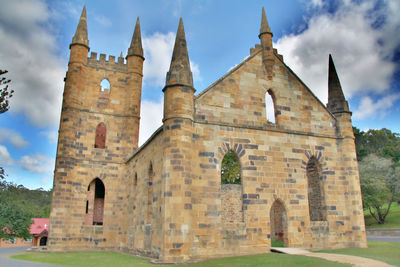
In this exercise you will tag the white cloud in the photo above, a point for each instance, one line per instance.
(52, 136)
(158, 52)
(13, 137)
(370, 109)
(362, 53)
(316, 3)
(37, 163)
(151, 115)
(28, 51)
(5, 158)
(194, 67)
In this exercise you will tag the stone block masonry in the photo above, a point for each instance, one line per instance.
(299, 173)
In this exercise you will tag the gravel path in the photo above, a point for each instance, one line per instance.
(354, 260)
(6, 261)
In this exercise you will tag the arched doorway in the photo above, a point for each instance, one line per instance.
(43, 241)
(278, 222)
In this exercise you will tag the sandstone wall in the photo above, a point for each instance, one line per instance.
(79, 162)
(145, 225)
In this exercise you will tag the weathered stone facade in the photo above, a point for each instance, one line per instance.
(299, 175)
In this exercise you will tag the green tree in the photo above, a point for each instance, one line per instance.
(230, 169)
(18, 205)
(380, 179)
(383, 142)
(15, 220)
(5, 93)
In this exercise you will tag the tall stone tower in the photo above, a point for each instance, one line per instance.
(178, 143)
(99, 129)
(347, 155)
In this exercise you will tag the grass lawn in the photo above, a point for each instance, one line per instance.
(392, 220)
(384, 251)
(98, 259)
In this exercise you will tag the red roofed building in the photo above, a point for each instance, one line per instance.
(39, 230)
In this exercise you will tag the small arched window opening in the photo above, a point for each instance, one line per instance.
(105, 85)
(150, 195)
(231, 189)
(95, 203)
(315, 191)
(135, 180)
(270, 106)
(230, 169)
(100, 140)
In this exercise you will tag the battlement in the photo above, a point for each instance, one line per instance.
(102, 62)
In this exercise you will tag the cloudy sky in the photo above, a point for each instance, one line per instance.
(362, 36)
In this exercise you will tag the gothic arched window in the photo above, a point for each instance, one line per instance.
(95, 203)
(270, 106)
(315, 191)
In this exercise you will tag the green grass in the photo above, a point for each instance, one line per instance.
(392, 220)
(99, 259)
(388, 252)
(277, 244)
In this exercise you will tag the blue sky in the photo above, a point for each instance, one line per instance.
(362, 36)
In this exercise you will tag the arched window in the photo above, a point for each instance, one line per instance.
(231, 189)
(100, 141)
(270, 106)
(278, 222)
(315, 191)
(105, 85)
(230, 169)
(95, 203)
(150, 195)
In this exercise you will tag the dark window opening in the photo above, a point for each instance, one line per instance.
(95, 203)
(150, 195)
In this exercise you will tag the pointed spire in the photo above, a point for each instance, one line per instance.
(81, 34)
(264, 24)
(336, 99)
(179, 70)
(136, 44)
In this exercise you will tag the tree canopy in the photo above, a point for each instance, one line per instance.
(380, 181)
(382, 142)
(378, 153)
(5, 93)
(18, 205)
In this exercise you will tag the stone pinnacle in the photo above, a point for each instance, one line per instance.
(264, 24)
(136, 44)
(81, 34)
(336, 99)
(179, 70)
